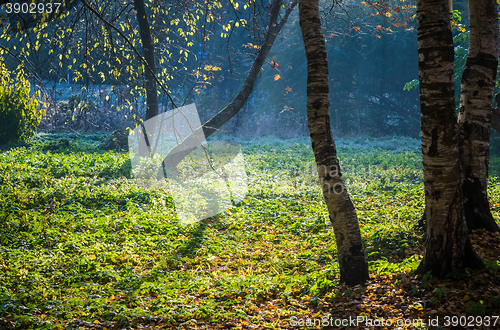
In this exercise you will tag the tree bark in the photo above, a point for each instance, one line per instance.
(149, 56)
(448, 246)
(474, 120)
(352, 257)
(177, 154)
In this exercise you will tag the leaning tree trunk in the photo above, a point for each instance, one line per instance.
(177, 154)
(474, 120)
(352, 257)
(149, 56)
(448, 245)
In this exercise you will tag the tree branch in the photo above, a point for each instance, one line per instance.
(177, 154)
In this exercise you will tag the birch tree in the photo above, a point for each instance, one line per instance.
(352, 257)
(475, 117)
(448, 246)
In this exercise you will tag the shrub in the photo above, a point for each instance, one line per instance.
(118, 140)
(19, 117)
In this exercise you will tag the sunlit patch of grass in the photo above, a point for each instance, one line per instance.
(80, 240)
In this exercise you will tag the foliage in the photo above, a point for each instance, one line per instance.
(79, 47)
(205, 48)
(19, 113)
(81, 242)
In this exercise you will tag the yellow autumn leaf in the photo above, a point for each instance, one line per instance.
(388, 14)
(93, 257)
(212, 68)
(356, 28)
(277, 77)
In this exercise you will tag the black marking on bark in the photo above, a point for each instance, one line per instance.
(433, 148)
(476, 207)
(356, 250)
(317, 90)
(475, 93)
(437, 195)
(485, 60)
(317, 104)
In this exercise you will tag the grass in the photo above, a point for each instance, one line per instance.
(81, 245)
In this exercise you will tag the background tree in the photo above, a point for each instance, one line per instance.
(495, 118)
(352, 257)
(149, 55)
(448, 246)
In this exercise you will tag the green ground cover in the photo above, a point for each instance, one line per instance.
(81, 245)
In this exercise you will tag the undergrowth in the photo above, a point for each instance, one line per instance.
(79, 240)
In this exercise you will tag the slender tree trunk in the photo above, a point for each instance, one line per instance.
(495, 119)
(448, 245)
(177, 154)
(149, 56)
(474, 120)
(352, 258)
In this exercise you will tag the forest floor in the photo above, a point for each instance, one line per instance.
(83, 247)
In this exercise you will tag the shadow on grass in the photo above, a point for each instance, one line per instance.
(197, 237)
